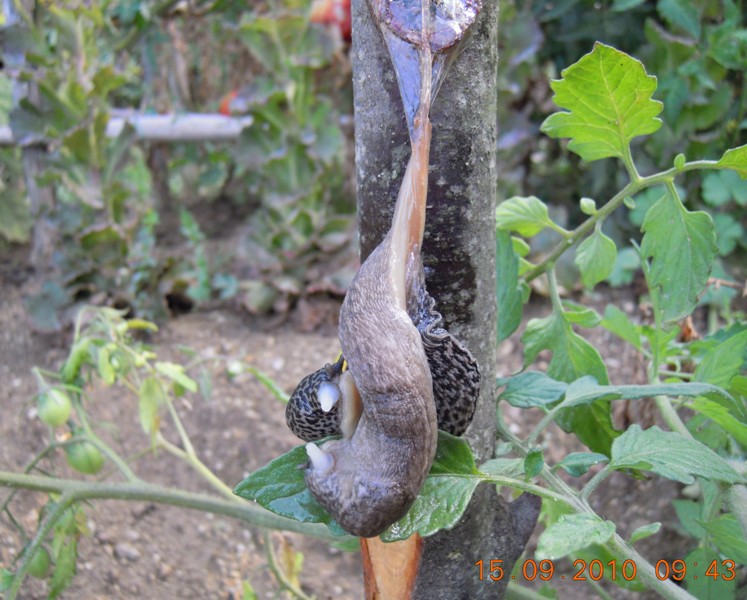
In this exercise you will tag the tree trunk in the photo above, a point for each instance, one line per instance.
(459, 256)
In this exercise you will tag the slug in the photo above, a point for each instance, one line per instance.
(313, 411)
(390, 334)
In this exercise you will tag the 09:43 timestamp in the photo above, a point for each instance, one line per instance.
(544, 570)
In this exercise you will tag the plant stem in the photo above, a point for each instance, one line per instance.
(519, 484)
(198, 466)
(633, 187)
(145, 492)
(101, 445)
(671, 417)
(666, 589)
(594, 482)
(601, 592)
(186, 442)
(66, 501)
(647, 573)
(282, 579)
(548, 418)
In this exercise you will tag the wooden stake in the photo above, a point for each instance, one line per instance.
(390, 569)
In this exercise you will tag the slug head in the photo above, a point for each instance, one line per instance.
(362, 498)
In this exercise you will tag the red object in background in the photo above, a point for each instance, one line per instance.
(335, 13)
(332, 13)
(225, 103)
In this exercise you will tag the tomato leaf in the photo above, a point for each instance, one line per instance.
(735, 159)
(680, 246)
(609, 96)
(578, 463)
(531, 389)
(572, 357)
(176, 373)
(525, 215)
(595, 258)
(510, 292)
(571, 533)
(669, 455)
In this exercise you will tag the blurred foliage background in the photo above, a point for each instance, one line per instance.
(158, 227)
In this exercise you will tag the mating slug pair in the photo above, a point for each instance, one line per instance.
(401, 375)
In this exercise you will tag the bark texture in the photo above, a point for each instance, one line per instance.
(459, 256)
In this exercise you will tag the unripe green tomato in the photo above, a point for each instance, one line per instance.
(84, 457)
(54, 407)
(39, 565)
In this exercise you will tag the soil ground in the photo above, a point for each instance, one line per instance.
(149, 551)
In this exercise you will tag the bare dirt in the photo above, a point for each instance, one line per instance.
(150, 551)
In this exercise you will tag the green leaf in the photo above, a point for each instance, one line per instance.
(247, 591)
(106, 80)
(531, 389)
(617, 322)
(534, 462)
(729, 233)
(440, 504)
(722, 363)
(670, 455)
(107, 373)
(707, 588)
(176, 373)
(595, 258)
(735, 159)
(624, 5)
(525, 215)
(586, 390)
(453, 456)
(609, 96)
(150, 397)
(728, 537)
(572, 357)
(503, 467)
(580, 315)
(44, 306)
(444, 496)
(64, 568)
(510, 292)
(280, 487)
(578, 463)
(16, 221)
(720, 187)
(644, 531)
(269, 383)
(571, 533)
(718, 413)
(6, 579)
(690, 515)
(682, 14)
(681, 248)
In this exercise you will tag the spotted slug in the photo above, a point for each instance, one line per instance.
(397, 357)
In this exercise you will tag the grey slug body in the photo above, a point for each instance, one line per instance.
(454, 372)
(375, 475)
